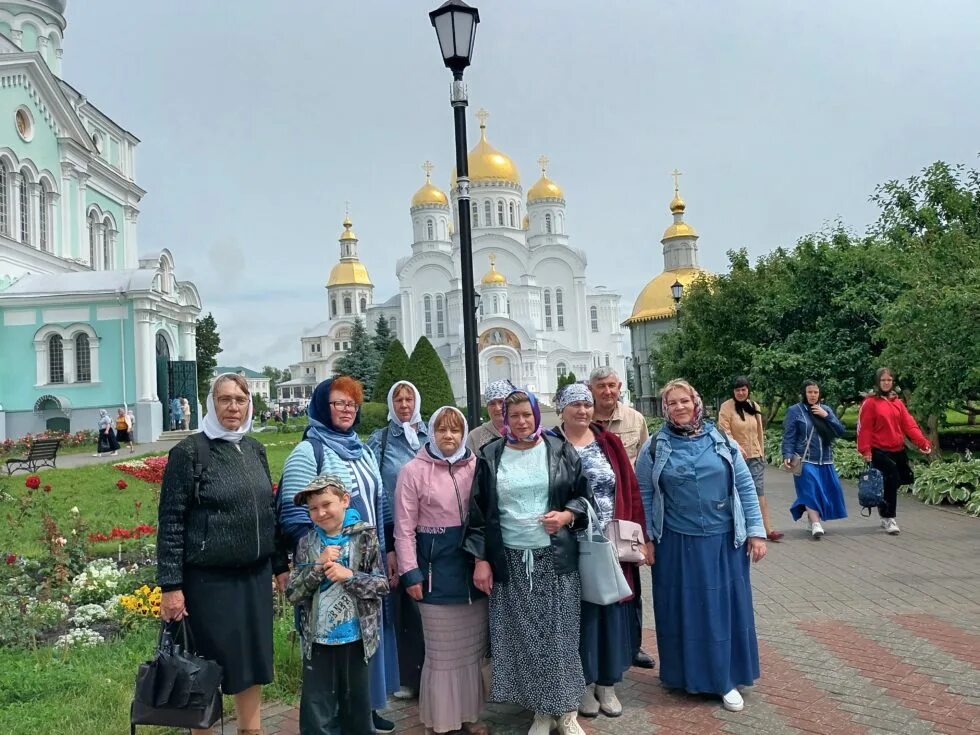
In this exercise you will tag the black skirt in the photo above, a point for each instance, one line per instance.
(230, 616)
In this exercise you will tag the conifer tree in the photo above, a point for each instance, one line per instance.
(360, 361)
(382, 337)
(426, 371)
(394, 367)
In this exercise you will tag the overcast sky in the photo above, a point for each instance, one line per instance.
(258, 120)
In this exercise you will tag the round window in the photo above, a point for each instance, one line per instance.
(24, 123)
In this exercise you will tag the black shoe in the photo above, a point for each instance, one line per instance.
(643, 660)
(381, 724)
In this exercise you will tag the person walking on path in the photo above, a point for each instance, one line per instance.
(741, 418)
(432, 504)
(494, 395)
(124, 428)
(702, 513)
(107, 436)
(176, 414)
(394, 446)
(810, 429)
(529, 497)
(606, 642)
(185, 413)
(883, 424)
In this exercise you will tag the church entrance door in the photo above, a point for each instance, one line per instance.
(499, 368)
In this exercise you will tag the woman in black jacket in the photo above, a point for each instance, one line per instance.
(529, 493)
(216, 549)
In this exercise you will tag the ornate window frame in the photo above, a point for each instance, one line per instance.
(68, 335)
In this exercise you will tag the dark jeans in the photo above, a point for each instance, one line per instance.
(636, 619)
(895, 470)
(411, 643)
(336, 696)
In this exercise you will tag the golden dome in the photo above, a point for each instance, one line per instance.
(349, 273)
(429, 193)
(494, 277)
(545, 188)
(679, 229)
(348, 233)
(486, 163)
(677, 204)
(656, 300)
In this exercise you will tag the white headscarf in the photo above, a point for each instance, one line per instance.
(213, 429)
(407, 426)
(434, 448)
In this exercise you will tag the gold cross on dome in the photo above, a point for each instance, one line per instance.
(543, 163)
(347, 209)
(427, 167)
(676, 174)
(482, 116)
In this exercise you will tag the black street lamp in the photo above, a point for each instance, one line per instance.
(455, 23)
(677, 290)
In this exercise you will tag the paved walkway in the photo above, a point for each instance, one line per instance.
(70, 461)
(859, 633)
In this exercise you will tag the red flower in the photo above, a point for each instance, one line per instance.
(121, 484)
(47, 488)
(11, 558)
(33, 482)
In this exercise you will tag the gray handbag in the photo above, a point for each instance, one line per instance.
(603, 581)
(796, 461)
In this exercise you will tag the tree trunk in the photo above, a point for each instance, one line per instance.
(771, 412)
(932, 434)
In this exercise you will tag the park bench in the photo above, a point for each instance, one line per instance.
(43, 453)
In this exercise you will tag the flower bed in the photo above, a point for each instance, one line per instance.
(123, 534)
(22, 445)
(149, 469)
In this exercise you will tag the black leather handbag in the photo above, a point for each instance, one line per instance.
(177, 688)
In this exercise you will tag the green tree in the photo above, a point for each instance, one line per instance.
(275, 376)
(566, 379)
(426, 371)
(382, 337)
(208, 347)
(394, 367)
(360, 361)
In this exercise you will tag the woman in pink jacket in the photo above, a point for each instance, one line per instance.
(432, 499)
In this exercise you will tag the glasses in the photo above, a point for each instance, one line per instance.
(344, 405)
(226, 401)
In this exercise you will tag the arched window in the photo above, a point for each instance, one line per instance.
(607, 359)
(475, 216)
(333, 307)
(427, 314)
(561, 223)
(547, 223)
(4, 201)
(363, 304)
(487, 214)
(24, 197)
(500, 212)
(56, 359)
(513, 216)
(440, 317)
(559, 308)
(83, 359)
(430, 229)
(594, 318)
(481, 308)
(107, 235)
(547, 309)
(562, 370)
(42, 220)
(496, 304)
(93, 237)
(348, 307)
(392, 325)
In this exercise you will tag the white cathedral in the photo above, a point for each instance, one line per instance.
(537, 317)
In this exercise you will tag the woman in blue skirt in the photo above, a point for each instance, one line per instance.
(702, 513)
(809, 431)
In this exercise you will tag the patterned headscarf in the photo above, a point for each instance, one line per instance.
(497, 389)
(572, 393)
(535, 409)
(697, 421)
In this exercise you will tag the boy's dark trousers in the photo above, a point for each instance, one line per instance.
(336, 693)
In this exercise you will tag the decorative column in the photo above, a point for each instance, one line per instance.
(34, 216)
(188, 341)
(100, 236)
(109, 248)
(54, 225)
(41, 355)
(67, 251)
(129, 248)
(82, 223)
(145, 362)
(14, 200)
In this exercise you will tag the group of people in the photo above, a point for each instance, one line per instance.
(114, 432)
(437, 561)
(180, 413)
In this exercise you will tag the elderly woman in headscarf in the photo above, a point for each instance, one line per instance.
(607, 640)
(703, 515)
(394, 445)
(217, 548)
(494, 395)
(107, 435)
(331, 446)
(741, 418)
(529, 496)
(431, 506)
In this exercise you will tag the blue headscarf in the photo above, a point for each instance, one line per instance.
(535, 410)
(347, 444)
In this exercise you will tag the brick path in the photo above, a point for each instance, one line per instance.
(859, 633)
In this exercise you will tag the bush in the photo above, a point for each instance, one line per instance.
(654, 424)
(373, 416)
(394, 367)
(951, 482)
(429, 376)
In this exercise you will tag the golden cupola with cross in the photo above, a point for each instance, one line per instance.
(544, 188)
(349, 271)
(486, 163)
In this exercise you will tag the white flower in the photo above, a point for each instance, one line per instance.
(81, 637)
(74, 511)
(88, 614)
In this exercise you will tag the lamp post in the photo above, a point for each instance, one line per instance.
(455, 23)
(677, 290)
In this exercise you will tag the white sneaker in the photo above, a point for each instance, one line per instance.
(589, 706)
(608, 701)
(733, 701)
(568, 724)
(404, 693)
(816, 530)
(891, 527)
(541, 725)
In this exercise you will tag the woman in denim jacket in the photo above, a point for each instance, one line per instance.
(702, 512)
(809, 432)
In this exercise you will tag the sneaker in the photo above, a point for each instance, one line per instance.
(541, 725)
(381, 724)
(891, 526)
(609, 703)
(404, 693)
(816, 531)
(589, 706)
(568, 724)
(733, 701)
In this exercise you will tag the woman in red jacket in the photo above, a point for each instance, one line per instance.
(883, 424)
